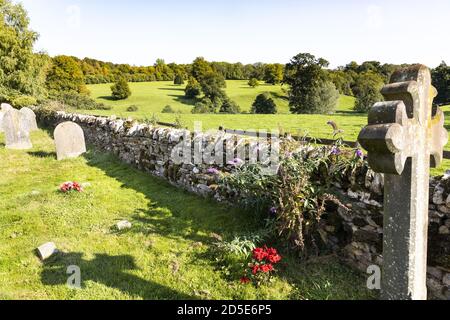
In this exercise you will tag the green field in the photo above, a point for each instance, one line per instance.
(151, 97)
(167, 254)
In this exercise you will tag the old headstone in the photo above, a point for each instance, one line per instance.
(29, 118)
(4, 108)
(69, 140)
(17, 134)
(405, 136)
(46, 250)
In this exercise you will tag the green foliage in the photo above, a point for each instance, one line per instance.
(178, 80)
(308, 84)
(253, 82)
(79, 101)
(367, 89)
(193, 88)
(229, 106)
(23, 101)
(212, 85)
(22, 73)
(66, 75)
(200, 68)
(264, 104)
(342, 81)
(297, 194)
(322, 100)
(273, 73)
(133, 108)
(168, 109)
(441, 80)
(203, 106)
(121, 90)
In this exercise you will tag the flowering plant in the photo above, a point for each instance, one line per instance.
(262, 265)
(70, 186)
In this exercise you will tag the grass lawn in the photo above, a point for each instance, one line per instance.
(166, 255)
(151, 97)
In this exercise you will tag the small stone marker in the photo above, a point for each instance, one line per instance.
(29, 118)
(47, 250)
(4, 108)
(123, 225)
(69, 140)
(404, 137)
(17, 135)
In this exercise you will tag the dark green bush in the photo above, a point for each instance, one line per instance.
(264, 104)
(168, 109)
(133, 108)
(121, 90)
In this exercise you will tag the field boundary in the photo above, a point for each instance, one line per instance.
(322, 141)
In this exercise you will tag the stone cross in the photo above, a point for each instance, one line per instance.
(69, 140)
(405, 136)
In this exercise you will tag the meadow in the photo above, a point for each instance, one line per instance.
(167, 254)
(151, 97)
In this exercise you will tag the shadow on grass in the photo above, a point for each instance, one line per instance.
(173, 213)
(111, 271)
(42, 154)
(175, 88)
(183, 99)
(108, 98)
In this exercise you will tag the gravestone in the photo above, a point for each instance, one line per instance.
(405, 136)
(29, 118)
(17, 134)
(4, 108)
(69, 140)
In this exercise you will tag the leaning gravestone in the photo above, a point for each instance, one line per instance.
(17, 134)
(69, 140)
(29, 118)
(405, 136)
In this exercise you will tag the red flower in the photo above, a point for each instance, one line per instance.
(255, 270)
(245, 280)
(274, 258)
(266, 268)
(271, 251)
(259, 254)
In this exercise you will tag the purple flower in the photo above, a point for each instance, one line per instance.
(335, 151)
(273, 210)
(213, 171)
(236, 162)
(359, 154)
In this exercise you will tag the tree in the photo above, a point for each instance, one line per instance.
(22, 73)
(178, 79)
(273, 73)
(342, 81)
(367, 90)
(264, 104)
(309, 85)
(229, 106)
(200, 67)
(212, 85)
(193, 89)
(253, 82)
(66, 75)
(121, 90)
(441, 80)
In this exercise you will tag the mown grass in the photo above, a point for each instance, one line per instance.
(151, 97)
(166, 255)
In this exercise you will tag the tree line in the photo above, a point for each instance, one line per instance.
(27, 78)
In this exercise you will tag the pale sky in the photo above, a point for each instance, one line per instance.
(138, 32)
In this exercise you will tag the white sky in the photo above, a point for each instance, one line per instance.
(138, 32)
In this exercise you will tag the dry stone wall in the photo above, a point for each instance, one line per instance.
(354, 233)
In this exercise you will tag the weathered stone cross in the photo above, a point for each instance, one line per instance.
(405, 136)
